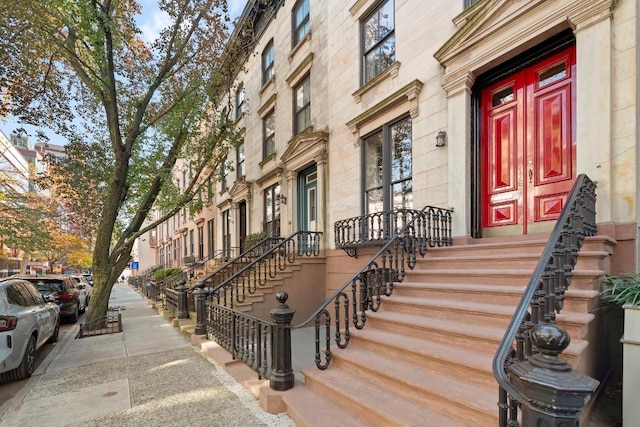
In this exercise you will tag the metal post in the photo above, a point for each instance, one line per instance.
(556, 395)
(282, 377)
(200, 295)
(183, 312)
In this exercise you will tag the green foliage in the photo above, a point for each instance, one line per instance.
(621, 290)
(253, 239)
(165, 272)
(130, 109)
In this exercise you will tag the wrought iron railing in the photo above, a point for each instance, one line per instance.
(246, 337)
(375, 229)
(170, 301)
(272, 228)
(263, 262)
(375, 279)
(543, 299)
(236, 264)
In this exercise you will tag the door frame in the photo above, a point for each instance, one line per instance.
(519, 62)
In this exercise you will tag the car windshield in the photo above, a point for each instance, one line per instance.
(49, 285)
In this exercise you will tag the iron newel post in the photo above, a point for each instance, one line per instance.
(183, 311)
(557, 394)
(282, 377)
(200, 296)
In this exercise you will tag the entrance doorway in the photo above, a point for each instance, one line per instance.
(307, 194)
(528, 146)
(242, 224)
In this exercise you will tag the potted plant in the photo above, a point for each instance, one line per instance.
(624, 291)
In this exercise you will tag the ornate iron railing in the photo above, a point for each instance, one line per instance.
(377, 228)
(263, 262)
(272, 228)
(170, 301)
(246, 337)
(374, 279)
(544, 298)
(236, 264)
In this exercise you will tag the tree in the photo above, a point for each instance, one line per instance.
(128, 108)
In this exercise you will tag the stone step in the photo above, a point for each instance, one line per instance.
(431, 392)
(476, 312)
(575, 299)
(582, 279)
(472, 338)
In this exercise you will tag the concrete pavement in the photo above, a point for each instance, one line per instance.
(148, 375)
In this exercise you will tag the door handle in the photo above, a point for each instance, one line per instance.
(530, 175)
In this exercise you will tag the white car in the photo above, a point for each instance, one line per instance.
(27, 321)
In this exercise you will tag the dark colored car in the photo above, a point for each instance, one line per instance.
(70, 297)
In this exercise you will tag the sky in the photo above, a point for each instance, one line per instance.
(151, 23)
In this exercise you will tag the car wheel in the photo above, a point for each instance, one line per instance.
(56, 331)
(28, 361)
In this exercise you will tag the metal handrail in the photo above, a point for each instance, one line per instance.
(413, 235)
(245, 256)
(552, 276)
(277, 251)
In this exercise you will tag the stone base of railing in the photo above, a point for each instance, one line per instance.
(270, 400)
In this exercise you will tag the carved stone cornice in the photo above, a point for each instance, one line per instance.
(275, 172)
(391, 71)
(300, 70)
(267, 106)
(407, 94)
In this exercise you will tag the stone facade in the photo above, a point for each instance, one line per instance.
(442, 48)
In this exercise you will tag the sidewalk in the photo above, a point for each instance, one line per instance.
(148, 375)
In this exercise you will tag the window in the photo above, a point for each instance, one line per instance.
(300, 17)
(176, 249)
(210, 239)
(271, 224)
(269, 135)
(226, 232)
(192, 243)
(185, 251)
(468, 3)
(387, 168)
(200, 242)
(240, 102)
(302, 106)
(267, 62)
(240, 161)
(379, 40)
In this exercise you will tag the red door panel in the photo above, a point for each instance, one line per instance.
(528, 149)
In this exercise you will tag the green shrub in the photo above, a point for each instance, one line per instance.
(621, 290)
(165, 272)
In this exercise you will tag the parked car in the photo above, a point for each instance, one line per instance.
(84, 284)
(89, 278)
(27, 321)
(67, 293)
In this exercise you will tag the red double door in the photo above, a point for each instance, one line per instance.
(528, 145)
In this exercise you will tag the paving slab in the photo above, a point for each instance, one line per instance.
(148, 375)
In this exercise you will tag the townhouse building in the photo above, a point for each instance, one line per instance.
(490, 109)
